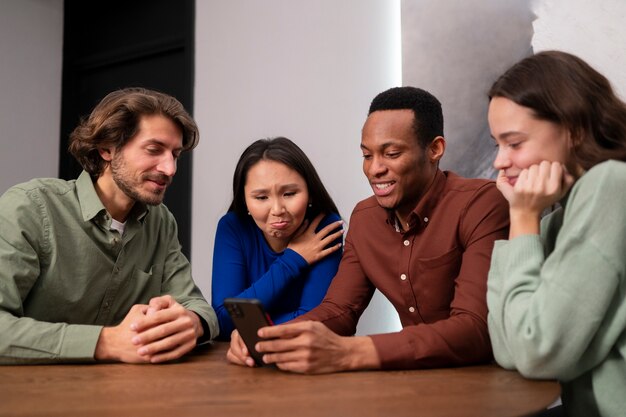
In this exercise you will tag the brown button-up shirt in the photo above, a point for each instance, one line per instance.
(434, 273)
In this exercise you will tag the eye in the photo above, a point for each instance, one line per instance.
(290, 193)
(153, 150)
(367, 156)
(392, 155)
(260, 197)
(515, 145)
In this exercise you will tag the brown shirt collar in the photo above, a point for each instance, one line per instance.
(421, 214)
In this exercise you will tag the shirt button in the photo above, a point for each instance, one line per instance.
(407, 243)
(403, 277)
(425, 219)
(412, 309)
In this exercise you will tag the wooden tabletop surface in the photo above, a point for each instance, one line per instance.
(204, 384)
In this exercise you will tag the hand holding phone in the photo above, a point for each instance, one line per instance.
(248, 316)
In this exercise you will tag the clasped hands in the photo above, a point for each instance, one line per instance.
(160, 331)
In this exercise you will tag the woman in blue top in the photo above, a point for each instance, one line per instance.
(557, 288)
(280, 241)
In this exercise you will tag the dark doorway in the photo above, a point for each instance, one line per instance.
(112, 44)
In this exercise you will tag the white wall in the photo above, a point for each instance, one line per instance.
(307, 70)
(303, 69)
(595, 31)
(31, 55)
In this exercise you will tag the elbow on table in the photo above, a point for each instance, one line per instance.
(535, 363)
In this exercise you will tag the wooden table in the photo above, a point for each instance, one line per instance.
(204, 384)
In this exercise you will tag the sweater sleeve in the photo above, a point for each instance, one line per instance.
(231, 272)
(547, 310)
(23, 235)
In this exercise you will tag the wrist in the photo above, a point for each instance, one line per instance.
(104, 347)
(198, 324)
(361, 353)
(524, 222)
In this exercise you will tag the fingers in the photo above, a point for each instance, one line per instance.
(544, 178)
(288, 330)
(537, 187)
(159, 303)
(504, 186)
(238, 353)
(162, 331)
(170, 348)
(161, 310)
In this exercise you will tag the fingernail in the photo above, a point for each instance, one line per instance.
(133, 326)
(142, 351)
(136, 340)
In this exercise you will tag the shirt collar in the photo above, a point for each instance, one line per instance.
(421, 214)
(91, 205)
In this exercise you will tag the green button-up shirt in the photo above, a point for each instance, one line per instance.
(64, 273)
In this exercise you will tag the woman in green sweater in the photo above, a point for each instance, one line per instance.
(557, 287)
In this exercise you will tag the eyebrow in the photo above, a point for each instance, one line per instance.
(385, 145)
(507, 135)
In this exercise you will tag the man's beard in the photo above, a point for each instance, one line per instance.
(131, 187)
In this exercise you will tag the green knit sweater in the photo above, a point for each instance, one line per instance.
(557, 302)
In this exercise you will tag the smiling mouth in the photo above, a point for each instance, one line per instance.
(382, 188)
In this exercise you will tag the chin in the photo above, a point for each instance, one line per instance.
(385, 203)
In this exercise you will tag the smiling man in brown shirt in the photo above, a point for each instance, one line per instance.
(424, 240)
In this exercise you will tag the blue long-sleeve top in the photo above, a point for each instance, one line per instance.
(245, 266)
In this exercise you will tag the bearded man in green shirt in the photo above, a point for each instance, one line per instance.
(92, 269)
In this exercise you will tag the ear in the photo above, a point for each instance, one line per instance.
(436, 149)
(105, 154)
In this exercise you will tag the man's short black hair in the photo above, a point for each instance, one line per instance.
(428, 122)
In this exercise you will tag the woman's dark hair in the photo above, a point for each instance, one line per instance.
(286, 152)
(564, 89)
(115, 120)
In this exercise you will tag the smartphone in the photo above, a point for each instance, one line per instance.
(248, 316)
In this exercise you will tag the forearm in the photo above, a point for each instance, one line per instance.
(25, 340)
(456, 341)
(315, 287)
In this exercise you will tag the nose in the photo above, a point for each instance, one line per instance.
(277, 207)
(374, 167)
(167, 165)
(502, 160)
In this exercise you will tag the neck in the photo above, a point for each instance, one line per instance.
(277, 245)
(114, 200)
